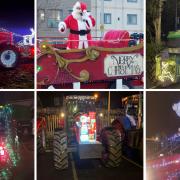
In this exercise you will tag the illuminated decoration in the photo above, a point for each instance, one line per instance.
(165, 163)
(84, 128)
(165, 70)
(1, 151)
(28, 39)
(176, 108)
(39, 68)
(81, 109)
(7, 150)
(87, 127)
(81, 98)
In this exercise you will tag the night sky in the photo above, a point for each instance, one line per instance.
(17, 16)
(6, 97)
(47, 98)
(159, 113)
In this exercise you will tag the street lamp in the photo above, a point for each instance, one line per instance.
(176, 15)
(62, 115)
(101, 114)
(96, 95)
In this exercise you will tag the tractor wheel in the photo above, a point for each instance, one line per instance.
(60, 150)
(8, 57)
(112, 143)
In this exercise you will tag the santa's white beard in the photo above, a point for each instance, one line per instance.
(77, 14)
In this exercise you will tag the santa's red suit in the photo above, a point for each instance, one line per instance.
(80, 23)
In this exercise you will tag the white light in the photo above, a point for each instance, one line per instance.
(84, 138)
(176, 108)
(161, 155)
(101, 114)
(62, 114)
(2, 152)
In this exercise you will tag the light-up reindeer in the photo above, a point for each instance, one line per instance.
(28, 39)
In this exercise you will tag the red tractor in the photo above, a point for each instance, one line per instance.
(81, 131)
(11, 52)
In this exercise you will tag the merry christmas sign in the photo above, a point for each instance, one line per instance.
(123, 65)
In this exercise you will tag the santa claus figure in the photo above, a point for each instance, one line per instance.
(80, 23)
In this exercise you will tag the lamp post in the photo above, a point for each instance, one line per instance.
(176, 15)
(102, 18)
(109, 106)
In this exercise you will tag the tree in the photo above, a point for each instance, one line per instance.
(154, 11)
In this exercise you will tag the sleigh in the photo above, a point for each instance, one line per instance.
(116, 56)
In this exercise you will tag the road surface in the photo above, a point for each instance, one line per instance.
(21, 77)
(91, 169)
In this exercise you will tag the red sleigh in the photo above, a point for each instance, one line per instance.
(114, 57)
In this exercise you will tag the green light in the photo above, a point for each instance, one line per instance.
(39, 68)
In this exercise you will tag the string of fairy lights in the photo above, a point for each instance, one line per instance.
(13, 155)
(14, 34)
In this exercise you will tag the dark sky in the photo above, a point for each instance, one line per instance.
(159, 113)
(47, 98)
(6, 97)
(16, 15)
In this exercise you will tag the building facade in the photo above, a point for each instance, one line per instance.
(50, 13)
(116, 14)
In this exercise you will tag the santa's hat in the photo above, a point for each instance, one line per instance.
(81, 5)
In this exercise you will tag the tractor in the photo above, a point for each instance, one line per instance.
(79, 129)
(11, 52)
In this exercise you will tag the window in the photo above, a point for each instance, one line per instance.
(70, 11)
(41, 14)
(132, 19)
(107, 18)
(54, 17)
(132, 1)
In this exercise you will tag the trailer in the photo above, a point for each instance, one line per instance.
(118, 55)
(11, 52)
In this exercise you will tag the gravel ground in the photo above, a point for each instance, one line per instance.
(21, 77)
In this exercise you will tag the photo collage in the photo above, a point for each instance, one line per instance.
(90, 90)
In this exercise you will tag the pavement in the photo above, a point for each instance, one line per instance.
(88, 169)
(21, 77)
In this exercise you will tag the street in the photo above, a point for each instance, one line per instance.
(25, 168)
(22, 77)
(88, 169)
